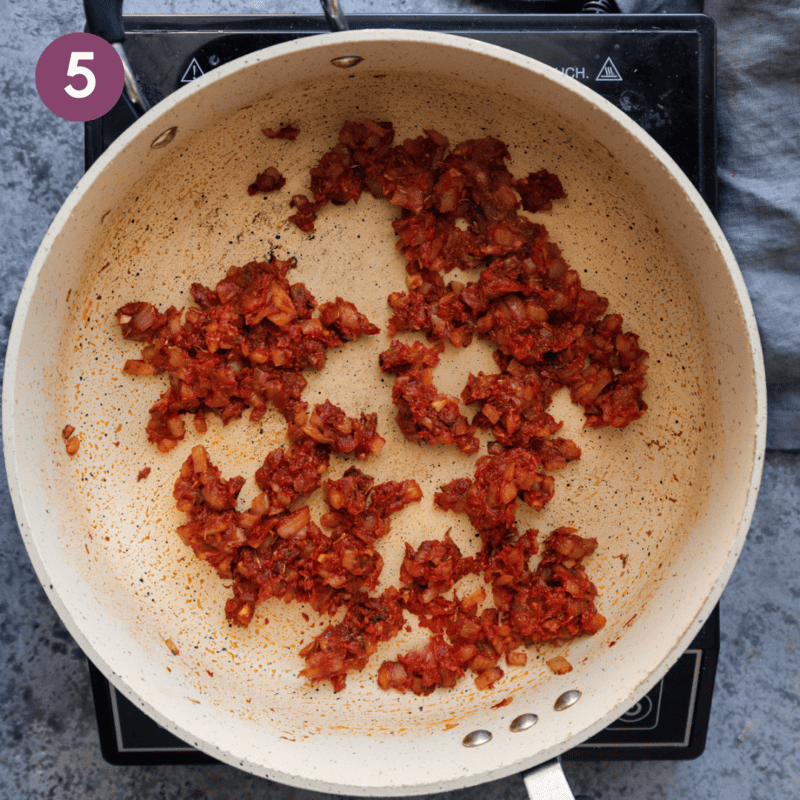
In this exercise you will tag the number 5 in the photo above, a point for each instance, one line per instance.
(76, 69)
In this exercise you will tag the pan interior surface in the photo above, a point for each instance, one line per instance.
(664, 497)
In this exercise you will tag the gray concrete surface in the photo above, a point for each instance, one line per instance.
(48, 738)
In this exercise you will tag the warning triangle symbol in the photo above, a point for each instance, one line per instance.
(608, 72)
(193, 71)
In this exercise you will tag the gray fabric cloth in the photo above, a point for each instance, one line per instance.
(758, 106)
(759, 183)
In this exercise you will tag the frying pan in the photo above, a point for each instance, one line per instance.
(669, 498)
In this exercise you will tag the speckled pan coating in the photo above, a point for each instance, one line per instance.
(672, 494)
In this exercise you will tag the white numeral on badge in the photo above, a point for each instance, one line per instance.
(75, 69)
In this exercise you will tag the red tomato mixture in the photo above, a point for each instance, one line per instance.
(244, 345)
(247, 342)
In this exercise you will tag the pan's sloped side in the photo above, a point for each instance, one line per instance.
(673, 493)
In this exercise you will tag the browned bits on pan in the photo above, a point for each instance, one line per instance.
(460, 209)
(270, 180)
(271, 551)
(552, 603)
(488, 678)
(171, 647)
(559, 665)
(243, 345)
(143, 473)
(347, 646)
(72, 442)
(289, 132)
(425, 414)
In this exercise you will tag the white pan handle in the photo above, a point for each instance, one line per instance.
(548, 782)
(545, 782)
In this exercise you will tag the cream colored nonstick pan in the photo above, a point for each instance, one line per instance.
(669, 498)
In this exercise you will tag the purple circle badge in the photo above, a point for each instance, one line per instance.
(79, 77)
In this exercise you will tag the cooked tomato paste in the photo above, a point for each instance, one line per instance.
(248, 340)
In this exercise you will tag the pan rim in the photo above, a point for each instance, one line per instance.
(85, 185)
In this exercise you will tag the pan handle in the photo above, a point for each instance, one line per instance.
(104, 19)
(548, 782)
(335, 15)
